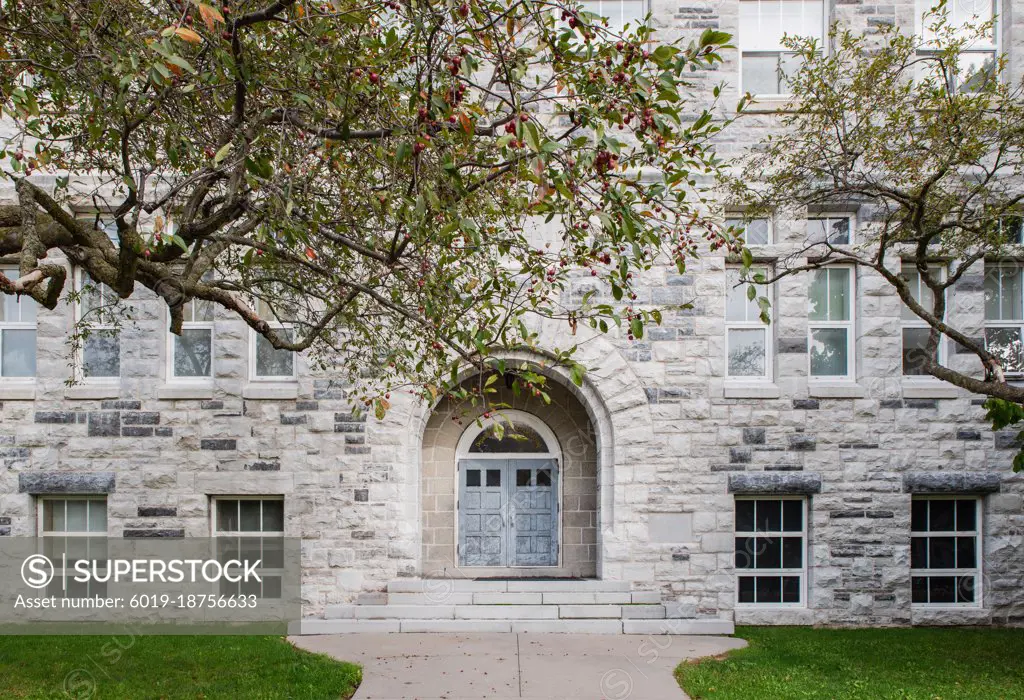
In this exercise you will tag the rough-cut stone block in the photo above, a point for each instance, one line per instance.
(968, 434)
(66, 482)
(754, 436)
(806, 404)
(140, 418)
(212, 405)
(136, 431)
(783, 483)
(157, 511)
(104, 424)
(362, 495)
(264, 466)
(1007, 440)
(55, 417)
(800, 442)
(217, 444)
(792, 346)
(164, 432)
(121, 405)
(154, 533)
(951, 482)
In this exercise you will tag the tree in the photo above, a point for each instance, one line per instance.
(372, 171)
(930, 146)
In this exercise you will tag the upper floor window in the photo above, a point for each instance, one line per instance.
(748, 339)
(915, 329)
(191, 355)
(836, 229)
(266, 361)
(945, 550)
(17, 333)
(830, 322)
(978, 57)
(104, 221)
(753, 232)
(619, 12)
(101, 341)
(765, 64)
(1004, 316)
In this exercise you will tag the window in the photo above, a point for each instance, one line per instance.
(771, 536)
(75, 526)
(267, 362)
(101, 341)
(249, 528)
(836, 229)
(192, 351)
(765, 64)
(1004, 316)
(17, 334)
(753, 232)
(978, 57)
(748, 339)
(619, 12)
(945, 551)
(104, 221)
(1011, 229)
(830, 322)
(915, 329)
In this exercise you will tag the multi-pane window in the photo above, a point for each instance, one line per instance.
(765, 64)
(977, 60)
(771, 536)
(1004, 316)
(753, 232)
(73, 528)
(266, 361)
(192, 351)
(836, 229)
(830, 322)
(748, 339)
(17, 333)
(915, 329)
(103, 221)
(619, 12)
(101, 341)
(945, 550)
(247, 529)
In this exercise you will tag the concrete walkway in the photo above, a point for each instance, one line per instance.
(498, 666)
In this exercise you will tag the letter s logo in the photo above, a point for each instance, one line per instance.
(37, 571)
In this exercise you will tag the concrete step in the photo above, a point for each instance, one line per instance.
(678, 626)
(506, 612)
(605, 612)
(586, 598)
(441, 587)
(550, 626)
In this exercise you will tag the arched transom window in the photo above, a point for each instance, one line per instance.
(510, 433)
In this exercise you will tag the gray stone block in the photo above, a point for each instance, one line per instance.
(66, 482)
(157, 511)
(121, 405)
(806, 404)
(140, 418)
(264, 466)
(217, 444)
(104, 424)
(56, 417)
(791, 346)
(754, 436)
(146, 533)
(952, 482)
(775, 483)
(799, 442)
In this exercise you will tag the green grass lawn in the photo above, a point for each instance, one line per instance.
(87, 668)
(873, 664)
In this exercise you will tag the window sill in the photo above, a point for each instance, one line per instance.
(925, 389)
(835, 390)
(21, 391)
(86, 391)
(751, 390)
(186, 391)
(281, 391)
(769, 104)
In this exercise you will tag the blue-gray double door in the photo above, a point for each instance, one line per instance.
(508, 512)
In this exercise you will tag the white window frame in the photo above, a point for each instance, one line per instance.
(12, 273)
(41, 501)
(918, 323)
(740, 222)
(215, 533)
(749, 324)
(851, 333)
(923, 6)
(254, 339)
(171, 344)
(753, 572)
(80, 282)
(825, 14)
(979, 553)
(1016, 323)
(829, 215)
(617, 25)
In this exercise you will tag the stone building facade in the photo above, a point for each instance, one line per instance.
(670, 473)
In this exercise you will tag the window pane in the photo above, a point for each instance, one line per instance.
(792, 515)
(494, 477)
(543, 477)
(77, 514)
(966, 514)
(829, 352)
(19, 353)
(53, 515)
(193, 353)
(817, 230)
(747, 352)
(941, 515)
(919, 553)
(523, 477)
(790, 589)
(745, 552)
(965, 589)
(227, 515)
(769, 553)
(271, 362)
(769, 589)
(97, 516)
(273, 552)
(919, 515)
(737, 306)
(746, 589)
(915, 354)
(744, 516)
(1005, 343)
(753, 232)
(975, 70)
(769, 516)
(839, 294)
(17, 309)
(839, 231)
(101, 354)
(249, 516)
(941, 552)
(817, 296)
(942, 589)
(515, 437)
(1002, 293)
(473, 477)
(919, 589)
(792, 552)
(273, 516)
(965, 553)
(760, 75)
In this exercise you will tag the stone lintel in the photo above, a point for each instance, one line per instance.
(65, 482)
(775, 483)
(951, 482)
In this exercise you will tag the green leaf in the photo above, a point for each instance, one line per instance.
(222, 153)
(636, 327)
(576, 374)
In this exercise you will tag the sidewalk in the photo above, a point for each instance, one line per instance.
(498, 666)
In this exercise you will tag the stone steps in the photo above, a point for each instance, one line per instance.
(538, 606)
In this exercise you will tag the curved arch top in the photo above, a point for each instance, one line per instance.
(514, 416)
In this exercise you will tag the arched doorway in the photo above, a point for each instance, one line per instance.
(509, 495)
(547, 476)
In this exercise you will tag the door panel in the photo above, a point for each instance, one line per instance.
(482, 526)
(535, 516)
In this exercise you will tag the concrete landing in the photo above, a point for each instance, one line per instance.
(497, 666)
